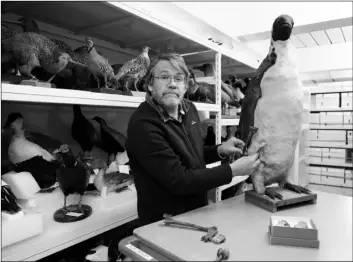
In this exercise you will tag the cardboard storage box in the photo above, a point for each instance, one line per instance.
(291, 235)
(346, 100)
(347, 118)
(31, 224)
(331, 118)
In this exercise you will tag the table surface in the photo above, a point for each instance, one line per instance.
(107, 213)
(246, 229)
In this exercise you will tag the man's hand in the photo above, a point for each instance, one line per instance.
(245, 165)
(230, 147)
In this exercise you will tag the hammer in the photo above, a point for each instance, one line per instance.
(222, 254)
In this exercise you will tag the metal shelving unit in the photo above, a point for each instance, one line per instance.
(326, 163)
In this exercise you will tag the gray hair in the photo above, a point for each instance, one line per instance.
(175, 59)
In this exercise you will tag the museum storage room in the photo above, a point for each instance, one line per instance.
(176, 131)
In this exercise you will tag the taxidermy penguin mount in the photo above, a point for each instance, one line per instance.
(273, 106)
(73, 178)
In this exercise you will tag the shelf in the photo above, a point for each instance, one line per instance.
(328, 90)
(327, 163)
(331, 146)
(22, 93)
(331, 110)
(230, 122)
(334, 127)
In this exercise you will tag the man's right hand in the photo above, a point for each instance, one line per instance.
(245, 165)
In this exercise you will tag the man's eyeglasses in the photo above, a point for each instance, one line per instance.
(166, 79)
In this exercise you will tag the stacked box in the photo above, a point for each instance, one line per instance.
(313, 135)
(349, 136)
(347, 118)
(315, 170)
(346, 100)
(319, 101)
(348, 177)
(331, 118)
(334, 155)
(333, 172)
(314, 119)
(332, 135)
(329, 101)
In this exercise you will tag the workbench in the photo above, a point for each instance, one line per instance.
(107, 213)
(246, 229)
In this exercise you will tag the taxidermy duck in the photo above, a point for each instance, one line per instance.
(9, 205)
(83, 132)
(28, 156)
(73, 174)
(114, 181)
(112, 141)
(274, 104)
(135, 68)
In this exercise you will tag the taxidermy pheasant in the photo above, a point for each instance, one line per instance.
(111, 141)
(99, 66)
(135, 68)
(30, 50)
(273, 105)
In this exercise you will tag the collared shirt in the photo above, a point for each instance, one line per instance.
(163, 113)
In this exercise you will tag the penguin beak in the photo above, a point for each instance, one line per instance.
(282, 28)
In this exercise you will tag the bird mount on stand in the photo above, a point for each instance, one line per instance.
(73, 178)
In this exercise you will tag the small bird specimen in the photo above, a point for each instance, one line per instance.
(28, 156)
(72, 176)
(83, 132)
(113, 181)
(111, 141)
(8, 200)
(135, 68)
(99, 66)
(273, 105)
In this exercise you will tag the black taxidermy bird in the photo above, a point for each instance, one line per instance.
(8, 200)
(210, 139)
(83, 131)
(111, 141)
(73, 175)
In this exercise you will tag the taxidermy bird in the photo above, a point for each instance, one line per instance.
(99, 66)
(274, 104)
(228, 96)
(28, 156)
(210, 139)
(111, 141)
(83, 132)
(114, 181)
(8, 200)
(135, 68)
(73, 174)
(30, 50)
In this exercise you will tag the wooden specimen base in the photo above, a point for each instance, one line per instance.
(72, 213)
(290, 199)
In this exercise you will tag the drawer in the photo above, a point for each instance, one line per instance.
(314, 118)
(316, 179)
(334, 153)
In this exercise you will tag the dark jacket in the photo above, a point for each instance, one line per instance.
(167, 159)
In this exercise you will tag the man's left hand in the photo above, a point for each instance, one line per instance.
(230, 147)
